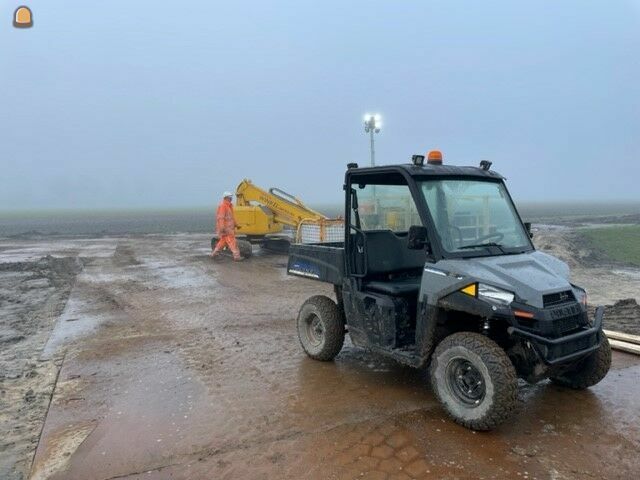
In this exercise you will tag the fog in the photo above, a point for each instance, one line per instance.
(140, 104)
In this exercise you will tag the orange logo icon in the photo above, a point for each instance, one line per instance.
(22, 17)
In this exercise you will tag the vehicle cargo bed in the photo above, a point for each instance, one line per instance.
(320, 261)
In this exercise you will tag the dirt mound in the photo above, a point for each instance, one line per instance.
(47, 266)
(623, 316)
(626, 303)
(568, 246)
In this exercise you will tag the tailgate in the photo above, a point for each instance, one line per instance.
(324, 262)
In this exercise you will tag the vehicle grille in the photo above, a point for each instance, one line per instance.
(558, 298)
(566, 325)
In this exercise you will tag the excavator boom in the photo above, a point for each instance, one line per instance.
(285, 208)
(262, 215)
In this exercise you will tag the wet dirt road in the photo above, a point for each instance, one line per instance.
(174, 367)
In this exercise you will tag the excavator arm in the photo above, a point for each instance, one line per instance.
(285, 208)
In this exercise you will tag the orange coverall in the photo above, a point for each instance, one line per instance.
(226, 228)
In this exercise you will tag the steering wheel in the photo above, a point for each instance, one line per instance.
(497, 235)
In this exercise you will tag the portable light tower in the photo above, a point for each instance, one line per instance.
(372, 124)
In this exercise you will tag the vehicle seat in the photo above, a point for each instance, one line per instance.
(388, 253)
(396, 287)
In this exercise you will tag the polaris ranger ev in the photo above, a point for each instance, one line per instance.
(437, 269)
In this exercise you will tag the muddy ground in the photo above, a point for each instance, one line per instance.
(147, 360)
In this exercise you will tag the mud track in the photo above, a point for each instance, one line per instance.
(166, 365)
(32, 296)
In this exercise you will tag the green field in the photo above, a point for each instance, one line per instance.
(621, 243)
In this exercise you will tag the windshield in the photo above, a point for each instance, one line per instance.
(472, 215)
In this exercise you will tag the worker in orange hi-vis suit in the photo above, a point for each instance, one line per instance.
(226, 228)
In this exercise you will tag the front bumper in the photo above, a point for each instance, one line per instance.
(554, 351)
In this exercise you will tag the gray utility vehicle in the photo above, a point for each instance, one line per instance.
(437, 268)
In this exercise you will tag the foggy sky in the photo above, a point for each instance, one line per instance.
(144, 104)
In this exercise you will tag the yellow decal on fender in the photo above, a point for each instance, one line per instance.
(470, 290)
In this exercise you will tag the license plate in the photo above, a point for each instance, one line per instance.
(566, 311)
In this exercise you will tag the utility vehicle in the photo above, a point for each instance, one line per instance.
(438, 270)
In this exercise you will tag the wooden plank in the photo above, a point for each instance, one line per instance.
(625, 347)
(625, 337)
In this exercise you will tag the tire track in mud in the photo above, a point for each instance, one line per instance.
(53, 390)
(33, 295)
(114, 291)
(176, 281)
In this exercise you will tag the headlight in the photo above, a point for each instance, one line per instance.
(581, 296)
(494, 295)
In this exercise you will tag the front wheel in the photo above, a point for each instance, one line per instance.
(474, 380)
(320, 328)
(589, 371)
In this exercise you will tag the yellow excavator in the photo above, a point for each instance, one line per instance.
(275, 218)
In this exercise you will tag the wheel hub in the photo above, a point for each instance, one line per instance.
(465, 382)
(315, 330)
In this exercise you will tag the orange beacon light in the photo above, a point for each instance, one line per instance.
(22, 17)
(434, 157)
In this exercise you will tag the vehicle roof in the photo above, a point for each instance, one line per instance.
(431, 170)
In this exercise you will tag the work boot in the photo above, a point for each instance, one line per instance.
(239, 259)
(214, 255)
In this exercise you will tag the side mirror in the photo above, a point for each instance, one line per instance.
(527, 227)
(417, 238)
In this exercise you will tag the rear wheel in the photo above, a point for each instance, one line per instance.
(320, 328)
(589, 371)
(245, 248)
(474, 380)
